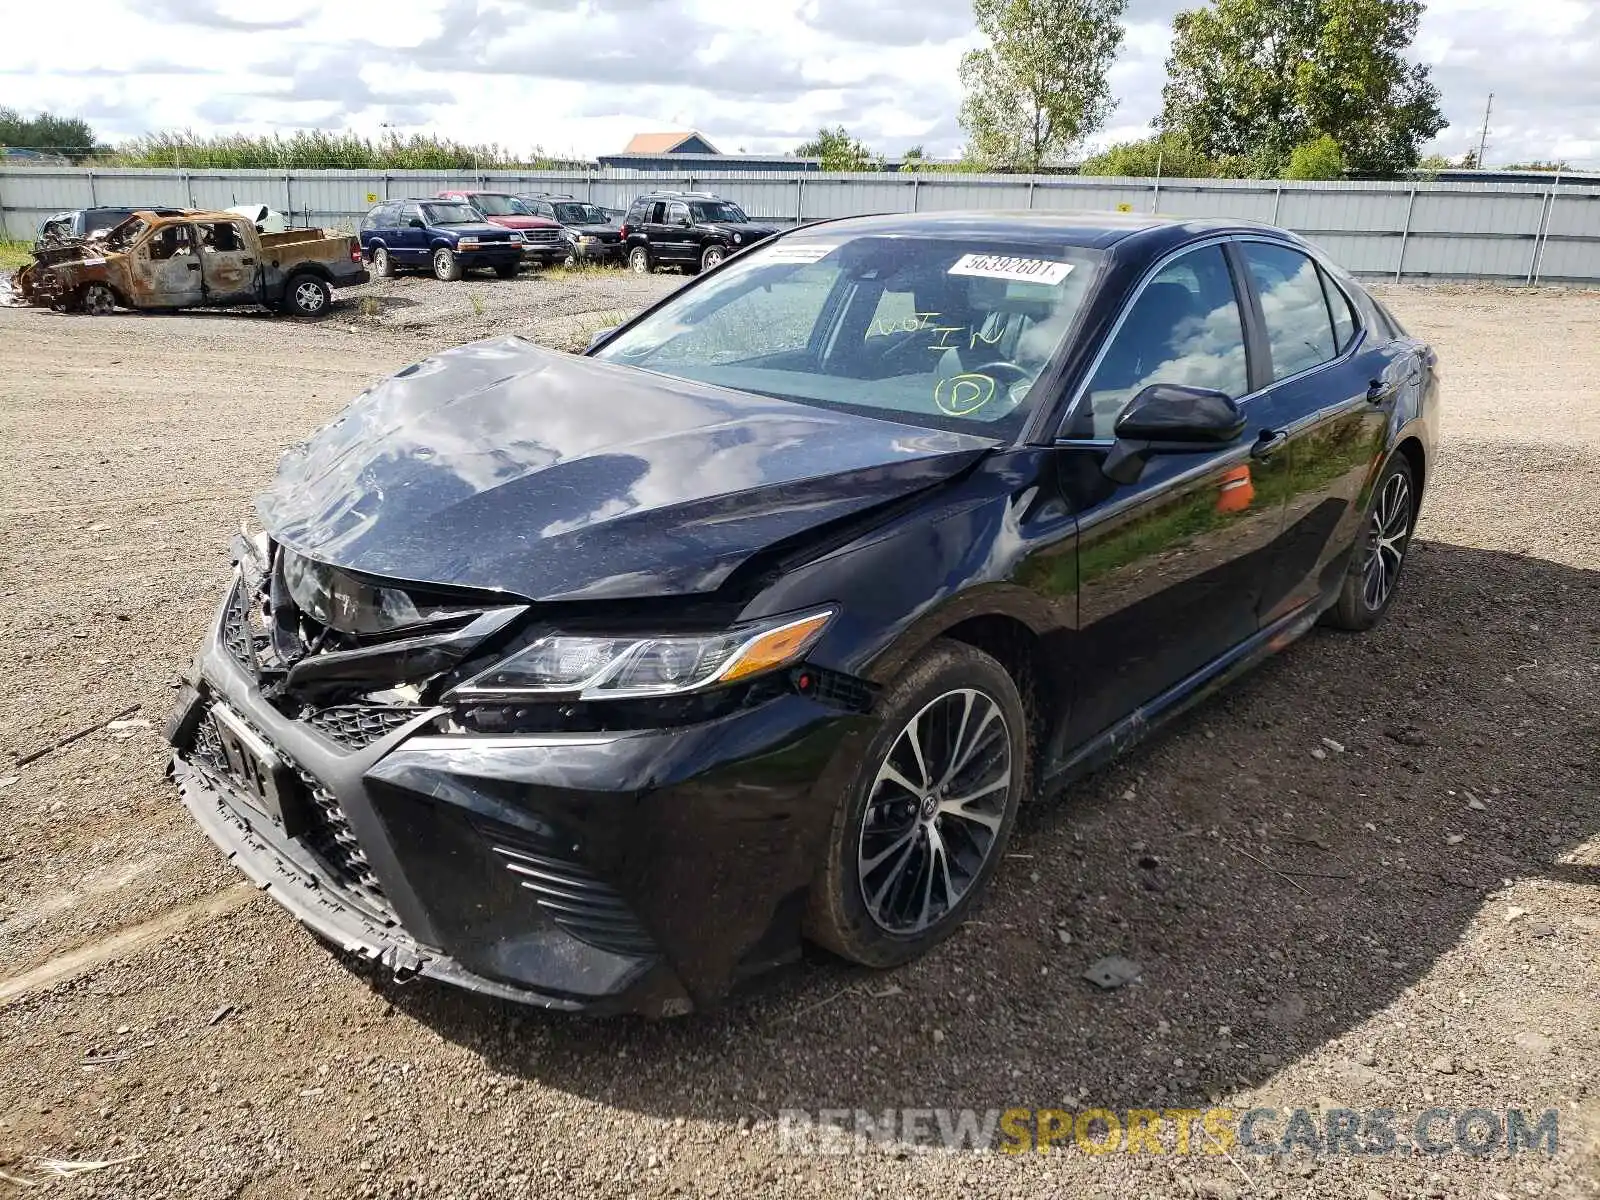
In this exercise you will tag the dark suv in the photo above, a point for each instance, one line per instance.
(692, 230)
(447, 237)
(587, 230)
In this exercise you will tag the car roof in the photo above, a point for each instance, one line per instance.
(1097, 230)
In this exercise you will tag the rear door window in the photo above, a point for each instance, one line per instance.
(1293, 307)
(1344, 318)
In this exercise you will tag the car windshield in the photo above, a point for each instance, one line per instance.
(494, 205)
(717, 210)
(945, 332)
(580, 214)
(451, 214)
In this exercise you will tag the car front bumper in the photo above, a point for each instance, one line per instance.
(644, 871)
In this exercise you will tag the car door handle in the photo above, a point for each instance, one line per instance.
(192, 266)
(1269, 443)
(1378, 391)
(248, 261)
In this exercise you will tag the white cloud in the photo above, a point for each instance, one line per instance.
(581, 76)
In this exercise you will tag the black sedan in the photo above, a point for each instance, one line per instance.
(602, 682)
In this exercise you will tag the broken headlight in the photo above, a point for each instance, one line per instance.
(349, 604)
(627, 667)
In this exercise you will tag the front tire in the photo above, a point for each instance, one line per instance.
(446, 266)
(307, 296)
(382, 264)
(639, 261)
(1380, 551)
(96, 299)
(925, 820)
(713, 257)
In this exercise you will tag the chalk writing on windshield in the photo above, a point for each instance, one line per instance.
(963, 395)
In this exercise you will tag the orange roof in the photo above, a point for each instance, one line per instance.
(660, 143)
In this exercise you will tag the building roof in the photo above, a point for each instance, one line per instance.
(664, 143)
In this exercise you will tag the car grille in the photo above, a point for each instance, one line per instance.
(329, 836)
(571, 895)
(236, 634)
(334, 843)
(357, 726)
(541, 237)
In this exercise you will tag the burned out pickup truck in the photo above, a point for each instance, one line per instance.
(192, 260)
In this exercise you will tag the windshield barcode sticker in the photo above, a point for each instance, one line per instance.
(1003, 266)
(802, 253)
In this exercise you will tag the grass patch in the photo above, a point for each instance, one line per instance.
(14, 255)
(370, 307)
(582, 269)
(478, 306)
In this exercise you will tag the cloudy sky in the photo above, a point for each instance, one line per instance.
(580, 76)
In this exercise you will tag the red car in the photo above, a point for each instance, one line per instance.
(542, 237)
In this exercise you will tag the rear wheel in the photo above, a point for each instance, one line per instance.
(382, 264)
(446, 265)
(1380, 552)
(639, 261)
(925, 821)
(307, 296)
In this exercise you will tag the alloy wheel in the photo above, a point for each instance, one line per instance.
(308, 297)
(935, 811)
(639, 261)
(380, 262)
(1388, 533)
(714, 257)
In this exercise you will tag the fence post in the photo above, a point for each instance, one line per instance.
(799, 200)
(93, 203)
(915, 188)
(1155, 197)
(3, 230)
(1405, 235)
(288, 193)
(188, 187)
(1277, 201)
(1031, 182)
(386, 186)
(1545, 211)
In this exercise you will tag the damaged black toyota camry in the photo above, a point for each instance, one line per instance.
(604, 681)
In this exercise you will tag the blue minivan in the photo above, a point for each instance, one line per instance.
(447, 237)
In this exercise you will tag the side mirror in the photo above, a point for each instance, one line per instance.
(1168, 418)
(599, 336)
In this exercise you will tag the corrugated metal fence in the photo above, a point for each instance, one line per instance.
(1514, 232)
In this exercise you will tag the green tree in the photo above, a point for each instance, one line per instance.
(1264, 76)
(1039, 88)
(1320, 158)
(1167, 155)
(1538, 165)
(837, 150)
(64, 135)
(914, 159)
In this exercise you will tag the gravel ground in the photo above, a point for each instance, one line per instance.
(1437, 947)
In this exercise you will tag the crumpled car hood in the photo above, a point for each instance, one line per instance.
(503, 466)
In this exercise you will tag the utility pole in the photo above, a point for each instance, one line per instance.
(1484, 136)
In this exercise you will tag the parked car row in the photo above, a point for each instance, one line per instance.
(458, 230)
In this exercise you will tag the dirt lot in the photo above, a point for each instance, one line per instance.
(1439, 947)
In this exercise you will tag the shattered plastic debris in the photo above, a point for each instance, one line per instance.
(1113, 972)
